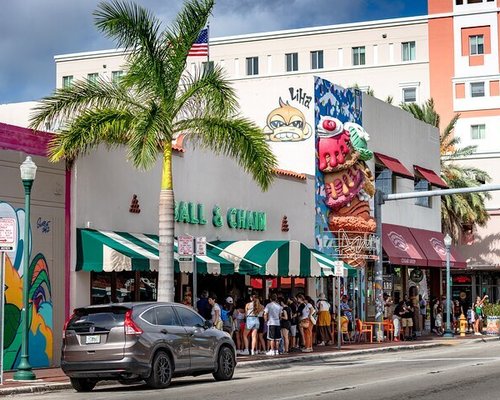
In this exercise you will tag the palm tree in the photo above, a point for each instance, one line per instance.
(155, 101)
(457, 210)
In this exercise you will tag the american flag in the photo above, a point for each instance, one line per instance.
(200, 46)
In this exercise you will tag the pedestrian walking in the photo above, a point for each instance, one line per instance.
(285, 323)
(294, 345)
(305, 322)
(272, 315)
(239, 324)
(478, 314)
(438, 321)
(323, 330)
(216, 312)
(203, 307)
(252, 310)
(422, 307)
(397, 316)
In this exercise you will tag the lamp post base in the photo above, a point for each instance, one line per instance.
(24, 372)
(448, 334)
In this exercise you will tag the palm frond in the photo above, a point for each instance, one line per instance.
(237, 138)
(424, 112)
(149, 138)
(207, 90)
(67, 103)
(132, 26)
(181, 35)
(88, 130)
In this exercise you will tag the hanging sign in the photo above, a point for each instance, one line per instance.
(8, 234)
(201, 246)
(416, 275)
(185, 248)
(339, 268)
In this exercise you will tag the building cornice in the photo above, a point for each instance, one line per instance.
(272, 35)
(354, 26)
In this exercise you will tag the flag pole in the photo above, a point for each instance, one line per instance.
(208, 43)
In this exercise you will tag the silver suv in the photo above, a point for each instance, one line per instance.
(150, 341)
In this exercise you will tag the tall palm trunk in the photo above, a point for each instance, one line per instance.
(166, 232)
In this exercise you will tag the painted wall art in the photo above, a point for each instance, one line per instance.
(344, 183)
(287, 123)
(40, 310)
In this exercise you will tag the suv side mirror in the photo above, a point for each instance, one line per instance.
(208, 324)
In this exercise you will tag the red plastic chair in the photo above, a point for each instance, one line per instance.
(363, 329)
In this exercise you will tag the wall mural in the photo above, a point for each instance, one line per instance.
(40, 309)
(287, 123)
(344, 183)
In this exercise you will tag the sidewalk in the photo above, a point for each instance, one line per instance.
(54, 379)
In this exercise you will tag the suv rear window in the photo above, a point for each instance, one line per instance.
(101, 319)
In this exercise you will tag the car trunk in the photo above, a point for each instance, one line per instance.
(95, 334)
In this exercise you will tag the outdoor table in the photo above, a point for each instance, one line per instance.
(377, 326)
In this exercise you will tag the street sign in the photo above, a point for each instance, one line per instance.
(8, 240)
(186, 258)
(339, 268)
(185, 246)
(201, 246)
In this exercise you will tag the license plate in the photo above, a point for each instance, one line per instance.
(92, 339)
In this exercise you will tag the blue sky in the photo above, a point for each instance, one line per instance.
(33, 31)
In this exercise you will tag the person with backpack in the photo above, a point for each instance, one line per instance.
(226, 316)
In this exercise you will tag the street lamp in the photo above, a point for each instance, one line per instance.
(24, 371)
(448, 331)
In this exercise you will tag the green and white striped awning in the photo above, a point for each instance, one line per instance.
(275, 258)
(107, 251)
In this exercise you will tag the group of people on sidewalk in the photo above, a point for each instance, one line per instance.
(410, 314)
(276, 325)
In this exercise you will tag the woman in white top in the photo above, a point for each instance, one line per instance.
(252, 311)
(305, 322)
(216, 320)
(239, 323)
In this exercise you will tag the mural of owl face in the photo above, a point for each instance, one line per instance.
(287, 124)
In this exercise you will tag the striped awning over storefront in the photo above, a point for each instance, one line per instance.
(274, 258)
(107, 251)
(122, 251)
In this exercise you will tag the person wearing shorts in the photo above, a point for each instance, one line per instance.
(252, 310)
(293, 326)
(407, 318)
(272, 314)
(407, 322)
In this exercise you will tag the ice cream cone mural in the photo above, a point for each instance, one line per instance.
(40, 302)
(344, 183)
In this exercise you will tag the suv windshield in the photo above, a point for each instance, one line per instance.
(101, 319)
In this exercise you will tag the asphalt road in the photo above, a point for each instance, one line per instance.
(465, 371)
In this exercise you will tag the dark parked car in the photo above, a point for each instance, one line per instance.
(143, 341)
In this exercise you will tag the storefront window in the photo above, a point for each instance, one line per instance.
(100, 288)
(120, 287)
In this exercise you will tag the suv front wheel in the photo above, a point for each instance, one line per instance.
(83, 384)
(161, 371)
(225, 365)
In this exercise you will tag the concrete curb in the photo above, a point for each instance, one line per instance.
(277, 361)
(41, 387)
